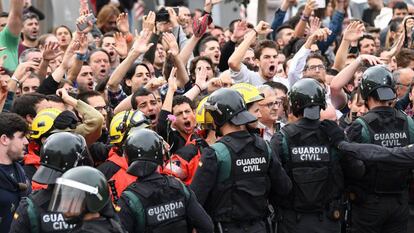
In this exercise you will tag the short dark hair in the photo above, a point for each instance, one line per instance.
(399, 6)
(205, 41)
(182, 99)
(194, 62)
(4, 14)
(84, 96)
(30, 15)
(404, 57)
(365, 36)
(262, 45)
(277, 85)
(142, 91)
(25, 104)
(11, 123)
(55, 98)
(316, 56)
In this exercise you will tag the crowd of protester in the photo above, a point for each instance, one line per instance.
(106, 77)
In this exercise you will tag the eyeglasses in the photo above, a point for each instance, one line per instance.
(272, 104)
(402, 84)
(320, 67)
(100, 108)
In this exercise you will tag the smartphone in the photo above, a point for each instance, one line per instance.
(321, 3)
(90, 18)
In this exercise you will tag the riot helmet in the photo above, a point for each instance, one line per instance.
(80, 190)
(227, 105)
(59, 153)
(377, 81)
(307, 95)
(144, 151)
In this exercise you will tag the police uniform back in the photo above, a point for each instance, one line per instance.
(239, 173)
(380, 197)
(314, 205)
(155, 202)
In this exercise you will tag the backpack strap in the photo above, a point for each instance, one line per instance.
(137, 209)
(32, 214)
(223, 159)
(365, 133)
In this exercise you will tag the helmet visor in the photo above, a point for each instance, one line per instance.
(69, 197)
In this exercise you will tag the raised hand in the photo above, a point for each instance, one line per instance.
(369, 59)
(50, 51)
(320, 35)
(141, 45)
(354, 31)
(121, 46)
(240, 29)
(263, 28)
(148, 22)
(172, 80)
(170, 44)
(208, 5)
(84, 19)
(201, 78)
(310, 6)
(314, 24)
(122, 23)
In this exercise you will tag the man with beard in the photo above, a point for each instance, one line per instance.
(85, 78)
(146, 102)
(13, 181)
(30, 32)
(265, 52)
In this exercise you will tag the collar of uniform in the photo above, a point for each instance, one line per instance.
(382, 109)
(235, 139)
(307, 123)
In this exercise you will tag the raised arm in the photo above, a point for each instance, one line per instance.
(139, 47)
(353, 32)
(15, 19)
(338, 95)
(236, 58)
(304, 19)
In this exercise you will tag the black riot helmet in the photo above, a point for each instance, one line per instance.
(308, 96)
(377, 81)
(80, 190)
(59, 153)
(144, 151)
(227, 105)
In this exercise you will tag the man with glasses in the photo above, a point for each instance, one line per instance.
(268, 108)
(315, 67)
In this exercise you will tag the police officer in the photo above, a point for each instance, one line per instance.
(155, 202)
(82, 195)
(60, 152)
(380, 196)
(114, 168)
(314, 205)
(238, 174)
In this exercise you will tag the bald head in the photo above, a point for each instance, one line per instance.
(403, 79)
